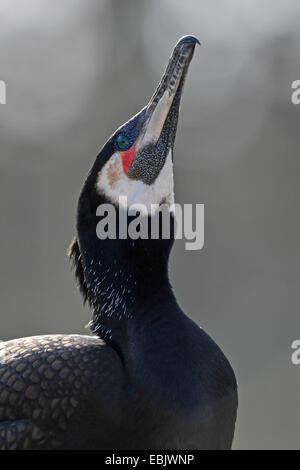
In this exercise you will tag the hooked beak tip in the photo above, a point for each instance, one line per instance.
(188, 39)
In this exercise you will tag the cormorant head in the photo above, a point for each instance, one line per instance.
(137, 160)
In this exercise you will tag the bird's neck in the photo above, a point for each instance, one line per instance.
(126, 282)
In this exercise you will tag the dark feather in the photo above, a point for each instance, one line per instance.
(75, 260)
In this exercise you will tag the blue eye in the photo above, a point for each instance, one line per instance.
(123, 142)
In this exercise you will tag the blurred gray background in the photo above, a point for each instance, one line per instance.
(76, 70)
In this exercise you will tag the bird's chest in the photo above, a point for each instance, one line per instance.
(166, 414)
(161, 426)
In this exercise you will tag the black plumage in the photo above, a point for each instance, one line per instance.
(150, 378)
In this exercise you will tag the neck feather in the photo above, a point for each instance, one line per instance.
(123, 280)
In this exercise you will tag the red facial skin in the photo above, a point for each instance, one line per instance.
(127, 159)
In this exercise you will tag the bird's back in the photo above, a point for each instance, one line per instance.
(53, 387)
(73, 391)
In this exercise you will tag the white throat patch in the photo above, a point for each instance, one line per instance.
(113, 182)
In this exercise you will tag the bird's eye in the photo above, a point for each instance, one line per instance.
(123, 142)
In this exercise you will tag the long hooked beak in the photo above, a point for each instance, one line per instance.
(159, 121)
(162, 100)
(159, 118)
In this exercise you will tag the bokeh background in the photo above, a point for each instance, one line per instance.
(75, 70)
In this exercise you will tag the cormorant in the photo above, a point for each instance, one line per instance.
(149, 378)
